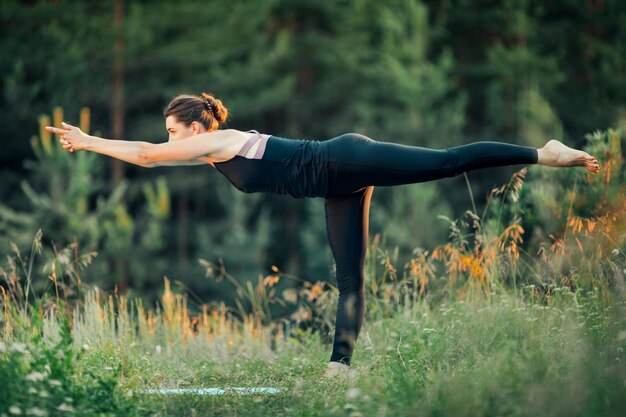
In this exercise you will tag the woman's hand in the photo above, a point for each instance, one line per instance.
(72, 138)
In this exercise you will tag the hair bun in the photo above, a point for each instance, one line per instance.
(215, 107)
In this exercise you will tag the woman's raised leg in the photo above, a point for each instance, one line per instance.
(356, 161)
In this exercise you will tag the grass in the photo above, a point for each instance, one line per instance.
(515, 353)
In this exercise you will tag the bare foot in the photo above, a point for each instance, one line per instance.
(556, 154)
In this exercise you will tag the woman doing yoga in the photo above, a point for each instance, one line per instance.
(343, 170)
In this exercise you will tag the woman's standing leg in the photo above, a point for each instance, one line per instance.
(347, 222)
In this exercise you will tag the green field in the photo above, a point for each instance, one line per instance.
(507, 355)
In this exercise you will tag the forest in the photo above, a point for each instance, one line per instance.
(92, 247)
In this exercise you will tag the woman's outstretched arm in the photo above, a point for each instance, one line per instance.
(141, 153)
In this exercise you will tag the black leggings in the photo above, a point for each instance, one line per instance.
(357, 164)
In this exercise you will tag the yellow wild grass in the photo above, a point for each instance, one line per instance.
(467, 268)
(126, 322)
(476, 266)
(477, 269)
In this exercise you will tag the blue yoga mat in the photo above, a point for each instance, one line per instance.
(211, 391)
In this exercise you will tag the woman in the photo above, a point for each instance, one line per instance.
(343, 170)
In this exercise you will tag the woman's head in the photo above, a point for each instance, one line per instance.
(188, 115)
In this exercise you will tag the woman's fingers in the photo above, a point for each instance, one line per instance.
(56, 130)
(67, 145)
(66, 128)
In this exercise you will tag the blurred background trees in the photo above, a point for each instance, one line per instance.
(425, 73)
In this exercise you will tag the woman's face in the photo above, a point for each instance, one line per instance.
(178, 130)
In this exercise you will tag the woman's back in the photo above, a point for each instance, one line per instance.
(279, 165)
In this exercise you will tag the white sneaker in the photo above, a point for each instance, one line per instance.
(339, 370)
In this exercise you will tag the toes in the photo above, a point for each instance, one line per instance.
(593, 167)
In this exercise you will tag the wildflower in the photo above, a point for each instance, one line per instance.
(158, 349)
(86, 347)
(44, 394)
(35, 376)
(615, 252)
(54, 382)
(32, 390)
(476, 271)
(316, 291)
(271, 280)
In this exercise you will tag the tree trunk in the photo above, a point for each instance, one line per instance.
(117, 127)
(182, 226)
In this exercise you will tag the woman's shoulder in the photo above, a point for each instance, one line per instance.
(230, 133)
(238, 134)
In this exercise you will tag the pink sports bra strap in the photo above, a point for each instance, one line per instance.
(261, 149)
(246, 147)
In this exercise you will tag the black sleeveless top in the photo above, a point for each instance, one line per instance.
(286, 166)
